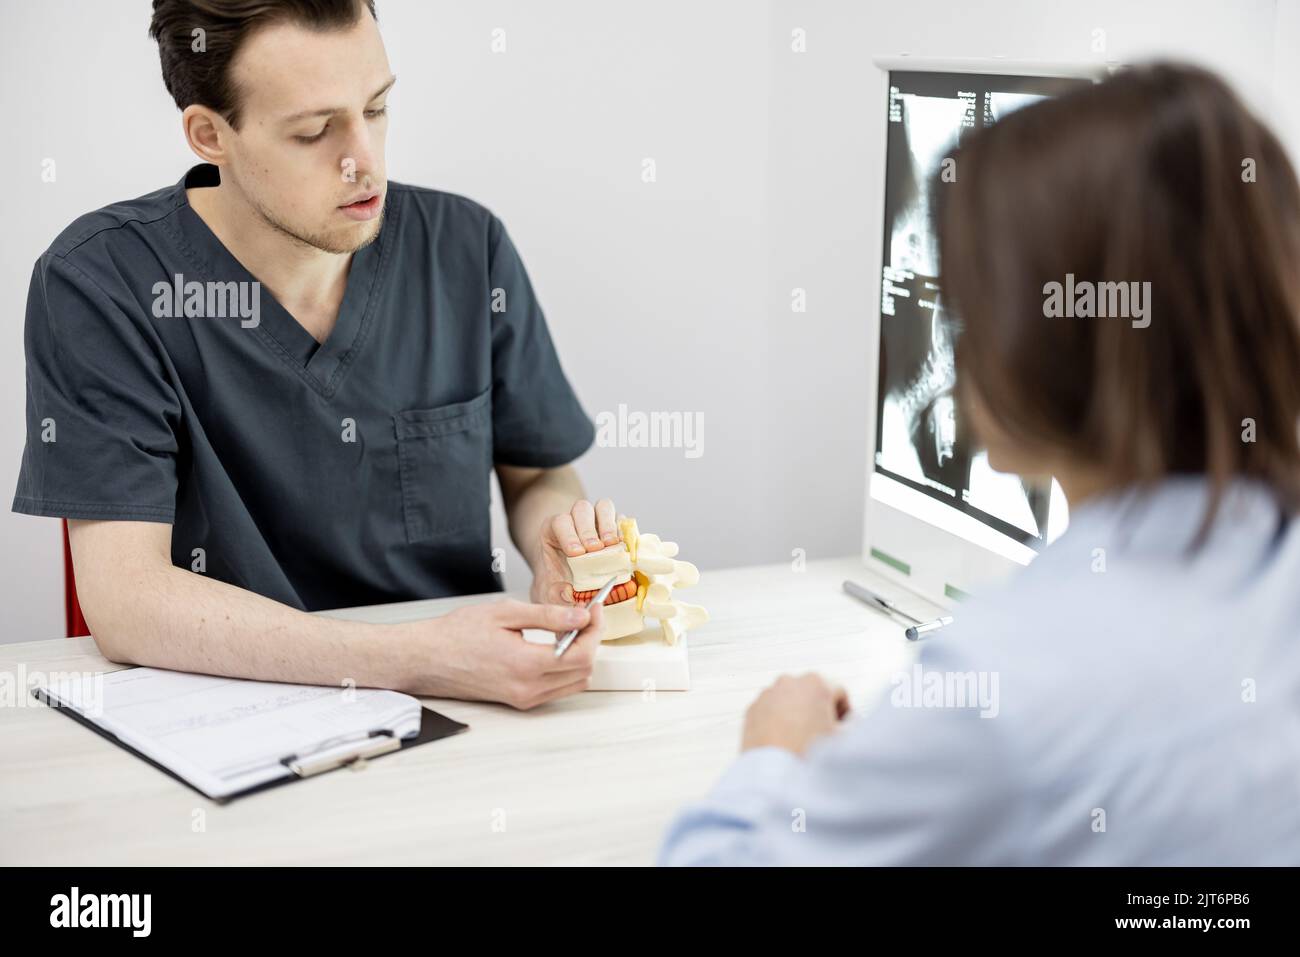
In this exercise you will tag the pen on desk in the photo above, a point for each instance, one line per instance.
(916, 631)
(864, 594)
(566, 639)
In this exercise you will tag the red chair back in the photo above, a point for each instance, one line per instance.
(76, 622)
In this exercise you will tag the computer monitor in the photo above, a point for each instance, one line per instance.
(939, 518)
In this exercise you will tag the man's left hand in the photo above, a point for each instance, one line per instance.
(584, 528)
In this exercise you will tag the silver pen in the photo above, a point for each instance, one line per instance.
(566, 639)
(916, 631)
(864, 594)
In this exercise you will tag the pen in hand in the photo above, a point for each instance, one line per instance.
(566, 639)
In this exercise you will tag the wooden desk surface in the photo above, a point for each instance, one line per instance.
(592, 779)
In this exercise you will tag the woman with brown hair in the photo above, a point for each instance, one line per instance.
(1124, 263)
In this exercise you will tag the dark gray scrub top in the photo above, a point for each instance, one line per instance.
(352, 472)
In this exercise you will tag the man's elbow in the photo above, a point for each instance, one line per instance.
(110, 603)
(113, 649)
(119, 567)
(110, 637)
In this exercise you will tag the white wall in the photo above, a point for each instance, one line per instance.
(671, 296)
(655, 292)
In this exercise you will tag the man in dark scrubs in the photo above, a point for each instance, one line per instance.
(283, 383)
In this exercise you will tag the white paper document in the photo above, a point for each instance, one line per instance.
(225, 735)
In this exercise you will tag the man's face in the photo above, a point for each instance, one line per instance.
(312, 130)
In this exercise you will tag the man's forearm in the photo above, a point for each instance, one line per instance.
(166, 617)
(143, 610)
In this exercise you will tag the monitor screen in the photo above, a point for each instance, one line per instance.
(926, 463)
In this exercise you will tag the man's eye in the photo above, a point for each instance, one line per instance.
(370, 114)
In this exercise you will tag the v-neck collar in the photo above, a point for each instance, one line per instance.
(321, 365)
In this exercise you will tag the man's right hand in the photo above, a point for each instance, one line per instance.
(479, 653)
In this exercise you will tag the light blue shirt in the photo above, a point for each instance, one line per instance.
(1139, 707)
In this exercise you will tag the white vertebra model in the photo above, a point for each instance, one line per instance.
(647, 573)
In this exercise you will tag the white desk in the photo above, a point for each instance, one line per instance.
(592, 779)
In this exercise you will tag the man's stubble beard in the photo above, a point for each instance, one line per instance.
(317, 241)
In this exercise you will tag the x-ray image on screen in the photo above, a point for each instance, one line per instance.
(1000, 104)
(927, 134)
(921, 440)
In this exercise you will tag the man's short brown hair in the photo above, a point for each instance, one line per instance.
(198, 41)
(1158, 174)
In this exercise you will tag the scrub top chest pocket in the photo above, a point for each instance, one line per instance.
(444, 458)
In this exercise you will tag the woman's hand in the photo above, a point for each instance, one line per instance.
(794, 713)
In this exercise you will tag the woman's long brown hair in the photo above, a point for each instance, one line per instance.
(1157, 175)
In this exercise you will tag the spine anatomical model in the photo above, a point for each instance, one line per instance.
(646, 572)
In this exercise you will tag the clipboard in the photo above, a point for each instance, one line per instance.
(433, 726)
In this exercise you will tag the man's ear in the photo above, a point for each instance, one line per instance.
(207, 134)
